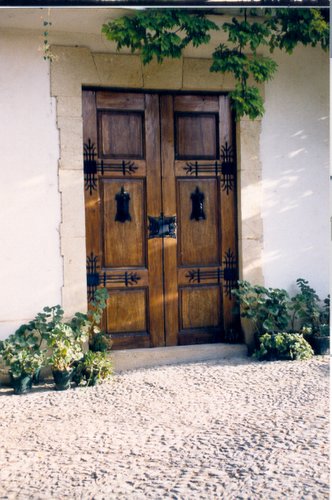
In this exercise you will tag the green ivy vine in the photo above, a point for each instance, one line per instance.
(164, 33)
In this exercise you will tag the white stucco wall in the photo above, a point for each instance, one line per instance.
(30, 261)
(295, 162)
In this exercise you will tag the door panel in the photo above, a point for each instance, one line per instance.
(200, 171)
(196, 135)
(198, 216)
(200, 307)
(126, 311)
(157, 156)
(121, 134)
(122, 186)
(124, 243)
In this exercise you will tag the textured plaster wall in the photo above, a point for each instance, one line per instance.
(295, 161)
(30, 261)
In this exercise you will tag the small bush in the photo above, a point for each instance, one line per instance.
(93, 369)
(266, 308)
(306, 307)
(282, 345)
(272, 310)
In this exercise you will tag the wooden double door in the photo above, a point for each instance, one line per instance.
(160, 198)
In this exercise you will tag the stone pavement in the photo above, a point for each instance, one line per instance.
(229, 429)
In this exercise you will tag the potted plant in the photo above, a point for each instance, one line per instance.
(39, 329)
(21, 352)
(266, 309)
(313, 317)
(320, 340)
(321, 337)
(92, 369)
(271, 311)
(66, 348)
(273, 315)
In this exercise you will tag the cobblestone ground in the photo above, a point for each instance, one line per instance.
(233, 430)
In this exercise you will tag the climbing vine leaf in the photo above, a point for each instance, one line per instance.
(165, 33)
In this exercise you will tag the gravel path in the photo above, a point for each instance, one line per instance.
(233, 430)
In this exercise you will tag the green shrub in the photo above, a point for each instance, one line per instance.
(309, 313)
(93, 369)
(20, 360)
(66, 347)
(267, 308)
(271, 310)
(43, 323)
(282, 345)
(22, 352)
(306, 307)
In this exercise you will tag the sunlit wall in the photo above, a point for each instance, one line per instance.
(295, 161)
(30, 261)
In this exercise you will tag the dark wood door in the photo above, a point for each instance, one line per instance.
(161, 216)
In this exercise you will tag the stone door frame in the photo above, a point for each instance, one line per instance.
(76, 67)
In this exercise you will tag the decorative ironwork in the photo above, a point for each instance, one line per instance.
(230, 273)
(227, 155)
(92, 167)
(126, 278)
(124, 167)
(225, 167)
(197, 200)
(227, 275)
(92, 275)
(199, 275)
(162, 227)
(96, 278)
(122, 206)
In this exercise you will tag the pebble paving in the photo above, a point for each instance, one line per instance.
(236, 429)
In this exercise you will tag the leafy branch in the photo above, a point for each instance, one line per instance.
(160, 33)
(163, 33)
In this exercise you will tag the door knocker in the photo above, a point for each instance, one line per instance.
(197, 200)
(122, 206)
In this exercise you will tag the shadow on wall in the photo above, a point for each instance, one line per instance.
(295, 208)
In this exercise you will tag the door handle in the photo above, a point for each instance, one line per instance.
(162, 226)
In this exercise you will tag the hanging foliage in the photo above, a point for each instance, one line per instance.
(164, 33)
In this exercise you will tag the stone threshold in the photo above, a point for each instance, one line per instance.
(134, 359)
